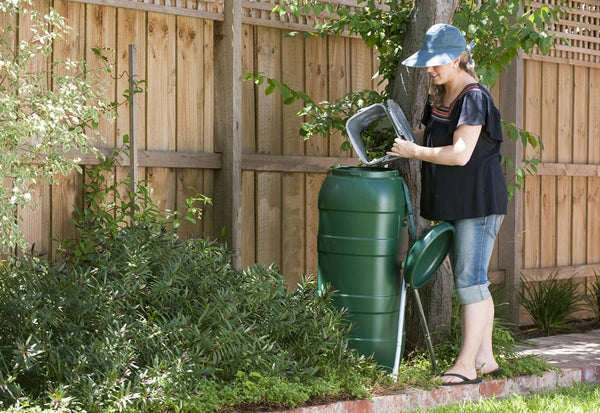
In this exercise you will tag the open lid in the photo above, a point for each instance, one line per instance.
(390, 115)
(427, 254)
(401, 125)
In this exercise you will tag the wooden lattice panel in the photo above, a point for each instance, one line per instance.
(259, 13)
(580, 26)
(206, 9)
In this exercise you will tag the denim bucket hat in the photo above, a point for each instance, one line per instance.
(442, 44)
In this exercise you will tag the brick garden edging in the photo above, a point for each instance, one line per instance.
(413, 399)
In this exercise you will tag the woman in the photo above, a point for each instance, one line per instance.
(462, 183)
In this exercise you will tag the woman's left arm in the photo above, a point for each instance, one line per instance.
(458, 154)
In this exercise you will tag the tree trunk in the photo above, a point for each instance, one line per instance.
(409, 89)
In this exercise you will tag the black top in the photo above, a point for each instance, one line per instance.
(477, 189)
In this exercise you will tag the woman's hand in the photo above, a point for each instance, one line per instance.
(404, 149)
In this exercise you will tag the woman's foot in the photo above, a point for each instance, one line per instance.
(487, 367)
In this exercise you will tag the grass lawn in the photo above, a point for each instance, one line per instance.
(581, 398)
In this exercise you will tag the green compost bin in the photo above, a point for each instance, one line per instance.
(363, 236)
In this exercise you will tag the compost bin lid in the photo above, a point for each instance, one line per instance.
(427, 254)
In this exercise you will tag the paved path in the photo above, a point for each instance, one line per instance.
(577, 356)
(570, 351)
(567, 349)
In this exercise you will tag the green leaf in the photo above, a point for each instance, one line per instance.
(248, 76)
(269, 89)
(294, 9)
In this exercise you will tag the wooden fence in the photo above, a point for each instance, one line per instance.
(200, 126)
(561, 103)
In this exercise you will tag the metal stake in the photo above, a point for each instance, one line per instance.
(425, 329)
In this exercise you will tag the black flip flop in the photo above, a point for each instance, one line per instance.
(464, 380)
(495, 373)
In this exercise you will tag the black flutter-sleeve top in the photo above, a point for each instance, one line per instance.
(477, 189)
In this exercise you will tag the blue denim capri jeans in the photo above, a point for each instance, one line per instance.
(470, 255)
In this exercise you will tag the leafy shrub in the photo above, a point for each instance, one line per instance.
(135, 318)
(150, 318)
(551, 303)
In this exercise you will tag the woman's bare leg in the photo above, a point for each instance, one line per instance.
(476, 347)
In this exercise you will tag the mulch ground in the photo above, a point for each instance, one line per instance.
(575, 326)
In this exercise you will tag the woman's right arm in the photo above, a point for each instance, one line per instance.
(465, 138)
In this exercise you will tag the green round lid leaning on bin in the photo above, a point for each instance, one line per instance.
(427, 254)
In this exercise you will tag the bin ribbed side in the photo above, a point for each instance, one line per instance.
(362, 223)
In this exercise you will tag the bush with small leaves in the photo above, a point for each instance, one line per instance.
(45, 110)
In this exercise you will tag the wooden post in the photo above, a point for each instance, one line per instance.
(228, 122)
(133, 147)
(509, 238)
